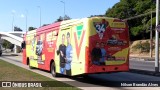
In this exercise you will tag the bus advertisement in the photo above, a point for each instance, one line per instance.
(79, 46)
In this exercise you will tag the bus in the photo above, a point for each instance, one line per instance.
(79, 46)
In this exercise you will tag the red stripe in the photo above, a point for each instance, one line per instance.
(78, 48)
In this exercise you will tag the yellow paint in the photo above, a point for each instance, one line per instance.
(123, 53)
(51, 36)
(43, 57)
(50, 49)
(34, 63)
(114, 62)
(30, 49)
(42, 37)
(117, 25)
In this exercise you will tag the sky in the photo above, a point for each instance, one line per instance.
(14, 12)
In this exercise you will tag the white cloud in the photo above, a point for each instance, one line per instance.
(22, 16)
(13, 11)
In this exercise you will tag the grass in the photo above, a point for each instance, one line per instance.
(10, 72)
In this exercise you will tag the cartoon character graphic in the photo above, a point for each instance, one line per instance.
(101, 27)
(33, 42)
(39, 48)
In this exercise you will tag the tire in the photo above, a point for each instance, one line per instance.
(53, 70)
(0, 53)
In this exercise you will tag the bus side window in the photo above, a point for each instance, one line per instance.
(23, 45)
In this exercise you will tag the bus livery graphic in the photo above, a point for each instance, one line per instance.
(79, 46)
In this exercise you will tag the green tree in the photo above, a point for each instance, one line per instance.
(6, 44)
(59, 19)
(139, 27)
(66, 17)
(17, 29)
(31, 28)
(45, 25)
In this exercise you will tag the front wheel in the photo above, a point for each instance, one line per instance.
(53, 70)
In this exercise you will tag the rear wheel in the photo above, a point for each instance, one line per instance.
(0, 53)
(53, 70)
(27, 61)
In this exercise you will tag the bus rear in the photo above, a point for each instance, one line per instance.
(108, 49)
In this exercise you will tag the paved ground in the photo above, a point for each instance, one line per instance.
(136, 63)
(94, 81)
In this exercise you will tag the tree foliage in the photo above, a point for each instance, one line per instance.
(45, 25)
(66, 17)
(139, 27)
(6, 44)
(31, 28)
(17, 29)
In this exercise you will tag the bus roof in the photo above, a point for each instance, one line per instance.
(57, 24)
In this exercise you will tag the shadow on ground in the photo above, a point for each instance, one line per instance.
(145, 72)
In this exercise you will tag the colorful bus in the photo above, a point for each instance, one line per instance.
(79, 46)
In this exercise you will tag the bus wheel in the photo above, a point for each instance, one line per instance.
(53, 70)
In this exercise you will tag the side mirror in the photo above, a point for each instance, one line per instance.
(23, 45)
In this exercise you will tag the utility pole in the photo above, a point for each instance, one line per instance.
(157, 39)
(13, 12)
(26, 20)
(151, 36)
(64, 9)
(39, 15)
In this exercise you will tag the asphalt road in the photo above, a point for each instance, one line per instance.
(94, 81)
(136, 63)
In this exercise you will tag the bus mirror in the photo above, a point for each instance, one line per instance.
(56, 34)
(23, 45)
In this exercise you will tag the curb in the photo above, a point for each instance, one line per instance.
(145, 72)
(142, 59)
(14, 54)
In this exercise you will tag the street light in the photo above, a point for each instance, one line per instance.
(151, 36)
(157, 39)
(39, 14)
(64, 8)
(13, 12)
(26, 20)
